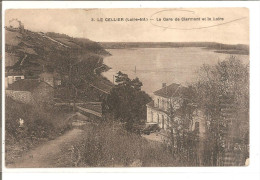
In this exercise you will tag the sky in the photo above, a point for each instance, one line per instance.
(230, 26)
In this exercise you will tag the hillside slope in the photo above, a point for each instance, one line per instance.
(29, 52)
(78, 62)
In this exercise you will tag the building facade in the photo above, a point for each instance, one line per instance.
(158, 109)
(11, 78)
(170, 98)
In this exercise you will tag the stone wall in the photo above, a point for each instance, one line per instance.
(43, 94)
(20, 96)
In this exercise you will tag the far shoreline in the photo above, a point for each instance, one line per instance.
(240, 49)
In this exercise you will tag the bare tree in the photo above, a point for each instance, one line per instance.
(180, 139)
(224, 95)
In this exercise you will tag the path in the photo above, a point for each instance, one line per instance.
(45, 155)
(25, 56)
(44, 35)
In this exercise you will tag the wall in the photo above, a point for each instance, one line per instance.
(163, 102)
(154, 116)
(21, 96)
(159, 113)
(12, 79)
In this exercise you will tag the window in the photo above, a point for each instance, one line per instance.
(18, 78)
(158, 121)
(158, 102)
(151, 116)
(197, 126)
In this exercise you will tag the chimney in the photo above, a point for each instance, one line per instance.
(164, 86)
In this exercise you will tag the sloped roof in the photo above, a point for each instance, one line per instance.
(172, 90)
(93, 107)
(151, 103)
(24, 85)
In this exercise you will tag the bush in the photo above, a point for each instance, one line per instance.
(109, 145)
(39, 126)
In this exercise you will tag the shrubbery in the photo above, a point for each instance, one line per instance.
(109, 145)
(38, 126)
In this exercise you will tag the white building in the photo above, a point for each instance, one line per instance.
(16, 24)
(10, 78)
(157, 110)
(171, 95)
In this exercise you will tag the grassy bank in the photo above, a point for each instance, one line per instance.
(108, 145)
(39, 126)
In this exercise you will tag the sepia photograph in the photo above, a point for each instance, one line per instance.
(131, 87)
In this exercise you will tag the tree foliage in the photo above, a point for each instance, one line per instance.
(127, 101)
(221, 92)
(224, 96)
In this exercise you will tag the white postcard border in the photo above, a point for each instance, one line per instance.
(239, 172)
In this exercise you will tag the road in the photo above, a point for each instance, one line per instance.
(44, 35)
(45, 155)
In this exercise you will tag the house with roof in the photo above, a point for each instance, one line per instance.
(157, 110)
(171, 97)
(31, 91)
(10, 78)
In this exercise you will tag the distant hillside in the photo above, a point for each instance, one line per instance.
(78, 43)
(29, 52)
(217, 47)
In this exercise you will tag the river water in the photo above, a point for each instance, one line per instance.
(154, 66)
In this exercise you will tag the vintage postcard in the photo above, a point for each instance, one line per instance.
(132, 87)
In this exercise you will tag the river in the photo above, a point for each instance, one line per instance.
(154, 66)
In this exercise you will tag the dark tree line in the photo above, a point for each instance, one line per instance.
(127, 102)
